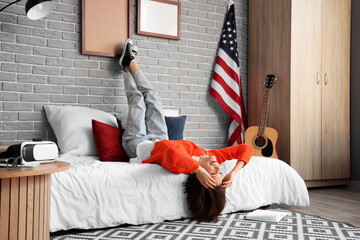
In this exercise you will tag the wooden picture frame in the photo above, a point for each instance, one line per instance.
(159, 18)
(106, 24)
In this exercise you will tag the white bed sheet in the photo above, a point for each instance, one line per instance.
(95, 194)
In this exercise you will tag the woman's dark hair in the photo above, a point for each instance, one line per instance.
(205, 205)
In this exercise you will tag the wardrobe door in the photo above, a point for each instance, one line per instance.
(261, 54)
(335, 89)
(306, 88)
(269, 53)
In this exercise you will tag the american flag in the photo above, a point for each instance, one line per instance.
(226, 83)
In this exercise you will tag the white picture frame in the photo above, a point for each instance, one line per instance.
(159, 18)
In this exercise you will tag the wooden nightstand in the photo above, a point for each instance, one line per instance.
(25, 201)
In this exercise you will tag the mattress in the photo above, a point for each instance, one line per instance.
(96, 194)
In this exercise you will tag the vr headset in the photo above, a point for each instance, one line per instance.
(42, 151)
(29, 154)
(32, 151)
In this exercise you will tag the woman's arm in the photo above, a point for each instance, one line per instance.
(242, 153)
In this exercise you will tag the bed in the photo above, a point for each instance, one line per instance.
(95, 194)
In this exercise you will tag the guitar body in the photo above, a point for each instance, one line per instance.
(266, 145)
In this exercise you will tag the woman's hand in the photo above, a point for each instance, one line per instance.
(228, 179)
(204, 178)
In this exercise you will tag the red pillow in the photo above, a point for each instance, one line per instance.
(108, 142)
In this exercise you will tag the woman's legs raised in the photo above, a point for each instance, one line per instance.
(154, 115)
(146, 120)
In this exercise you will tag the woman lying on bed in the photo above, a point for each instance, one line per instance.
(146, 130)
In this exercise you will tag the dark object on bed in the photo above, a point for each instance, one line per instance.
(175, 126)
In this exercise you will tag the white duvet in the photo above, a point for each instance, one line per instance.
(95, 194)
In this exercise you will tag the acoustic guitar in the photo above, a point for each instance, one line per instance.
(264, 139)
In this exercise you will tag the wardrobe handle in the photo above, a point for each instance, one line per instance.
(326, 79)
(318, 78)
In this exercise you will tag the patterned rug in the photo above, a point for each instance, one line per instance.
(230, 226)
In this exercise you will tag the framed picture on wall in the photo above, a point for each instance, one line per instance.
(159, 18)
(106, 24)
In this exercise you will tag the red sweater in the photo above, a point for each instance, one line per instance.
(176, 155)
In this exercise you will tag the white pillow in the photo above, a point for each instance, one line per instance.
(73, 127)
(171, 112)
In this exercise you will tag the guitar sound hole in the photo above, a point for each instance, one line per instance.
(260, 141)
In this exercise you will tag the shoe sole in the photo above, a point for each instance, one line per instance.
(123, 53)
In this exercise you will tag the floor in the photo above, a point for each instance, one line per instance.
(335, 203)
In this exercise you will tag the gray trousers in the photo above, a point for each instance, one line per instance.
(146, 119)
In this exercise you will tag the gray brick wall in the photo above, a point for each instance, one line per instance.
(41, 63)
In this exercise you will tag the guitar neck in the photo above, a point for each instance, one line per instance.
(264, 112)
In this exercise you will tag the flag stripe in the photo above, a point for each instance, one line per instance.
(228, 101)
(225, 69)
(228, 89)
(236, 132)
(223, 104)
(228, 71)
(226, 98)
(229, 61)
